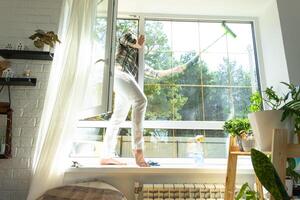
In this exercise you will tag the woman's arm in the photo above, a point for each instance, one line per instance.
(174, 70)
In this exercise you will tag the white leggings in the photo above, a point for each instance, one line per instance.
(127, 94)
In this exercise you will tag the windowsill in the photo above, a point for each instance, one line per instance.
(167, 166)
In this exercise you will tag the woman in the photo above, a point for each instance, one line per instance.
(129, 94)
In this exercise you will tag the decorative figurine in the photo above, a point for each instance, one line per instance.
(8, 73)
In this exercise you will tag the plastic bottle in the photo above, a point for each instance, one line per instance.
(199, 151)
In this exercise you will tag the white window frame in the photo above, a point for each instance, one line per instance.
(184, 125)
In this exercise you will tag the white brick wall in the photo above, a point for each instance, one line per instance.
(18, 20)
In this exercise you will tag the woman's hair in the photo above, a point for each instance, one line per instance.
(129, 37)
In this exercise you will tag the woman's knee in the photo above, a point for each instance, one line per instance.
(144, 100)
(141, 101)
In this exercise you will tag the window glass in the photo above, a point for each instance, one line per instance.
(216, 87)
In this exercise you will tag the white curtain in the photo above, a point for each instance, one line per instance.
(64, 97)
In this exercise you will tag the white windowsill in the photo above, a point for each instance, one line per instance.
(168, 166)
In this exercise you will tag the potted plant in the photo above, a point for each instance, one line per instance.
(291, 109)
(292, 175)
(268, 176)
(264, 121)
(246, 192)
(42, 38)
(240, 129)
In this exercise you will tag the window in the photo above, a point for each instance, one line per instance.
(196, 102)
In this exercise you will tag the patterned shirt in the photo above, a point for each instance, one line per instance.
(127, 57)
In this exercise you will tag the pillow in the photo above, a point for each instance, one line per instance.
(88, 191)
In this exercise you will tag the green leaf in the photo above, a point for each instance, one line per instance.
(267, 175)
(242, 191)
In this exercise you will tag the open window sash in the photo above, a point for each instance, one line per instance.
(98, 97)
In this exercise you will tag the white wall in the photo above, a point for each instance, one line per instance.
(290, 20)
(274, 67)
(194, 7)
(18, 20)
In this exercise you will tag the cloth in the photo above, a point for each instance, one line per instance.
(127, 55)
(127, 94)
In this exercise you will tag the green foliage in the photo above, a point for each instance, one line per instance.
(41, 38)
(267, 175)
(246, 192)
(255, 102)
(272, 99)
(292, 107)
(237, 126)
(290, 170)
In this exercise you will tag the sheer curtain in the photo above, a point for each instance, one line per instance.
(64, 97)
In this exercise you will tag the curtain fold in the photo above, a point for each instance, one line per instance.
(64, 97)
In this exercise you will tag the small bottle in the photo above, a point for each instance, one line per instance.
(199, 152)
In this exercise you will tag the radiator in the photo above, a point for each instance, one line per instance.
(180, 191)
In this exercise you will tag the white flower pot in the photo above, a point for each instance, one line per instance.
(263, 123)
(289, 186)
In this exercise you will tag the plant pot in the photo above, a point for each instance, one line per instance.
(263, 123)
(248, 144)
(239, 142)
(289, 186)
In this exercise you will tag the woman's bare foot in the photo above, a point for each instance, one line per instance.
(139, 158)
(111, 161)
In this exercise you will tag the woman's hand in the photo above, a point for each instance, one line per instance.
(141, 40)
(139, 43)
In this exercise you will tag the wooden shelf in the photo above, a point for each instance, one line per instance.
(27, 55)
(246, 153)
(18, 81)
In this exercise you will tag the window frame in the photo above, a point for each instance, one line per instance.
(184, 125)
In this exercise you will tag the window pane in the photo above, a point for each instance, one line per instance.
(161, 143)
(192, 110)
(244, 40)
(127, 25)
(164, 102)
(205, 90)
(158, 36)
(185, 36)
(241, 98)
(215, 70)
(87, 142)
(212, 38)
(240, 70)
(192, 74)
(216, 104)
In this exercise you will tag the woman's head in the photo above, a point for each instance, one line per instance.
(130, 38)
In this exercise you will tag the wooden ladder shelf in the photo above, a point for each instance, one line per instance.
(281, 150)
